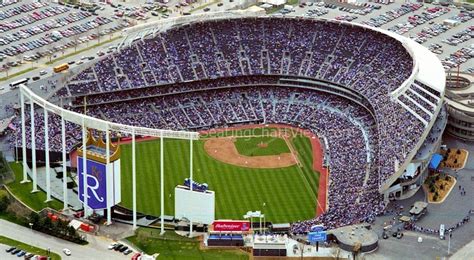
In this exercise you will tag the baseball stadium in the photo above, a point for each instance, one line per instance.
(298, 122)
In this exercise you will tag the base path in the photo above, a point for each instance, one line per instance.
(224, 150)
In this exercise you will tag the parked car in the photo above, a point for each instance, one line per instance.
(112, 246)
(8, 250)
(118, 247)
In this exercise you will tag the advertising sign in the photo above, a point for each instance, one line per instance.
(317, 234)
(230, 225)
(96, 182)
(314, 237)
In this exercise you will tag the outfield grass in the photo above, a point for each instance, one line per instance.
(250, 146)
(289, 194)
(173, 246)
(261, 131)
(28, 248)
(23, 191)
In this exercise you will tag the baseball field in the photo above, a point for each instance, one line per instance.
(262, 169)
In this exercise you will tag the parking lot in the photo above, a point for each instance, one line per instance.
(424, 23)
(34, 30)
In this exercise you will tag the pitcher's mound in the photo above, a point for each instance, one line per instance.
(223, 149)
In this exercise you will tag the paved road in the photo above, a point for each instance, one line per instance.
(6, 256)
(96, 249)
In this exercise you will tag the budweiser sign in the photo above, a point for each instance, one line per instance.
(231, 225)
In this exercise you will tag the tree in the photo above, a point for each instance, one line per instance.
(71, 232)
(7, 68)
(4, 201)
(34, 218)
(75, 41)
(46, 224)
(97, 31)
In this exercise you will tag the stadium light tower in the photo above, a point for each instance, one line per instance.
(84, 167)
(23, 138)
(46, 152)
(63, 140)
(109, 176)
(162, 185)
(191, 181)
(87, 122)
(33, 145)
(134, 183)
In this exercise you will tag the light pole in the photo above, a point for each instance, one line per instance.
(16, 147)
(449, 242)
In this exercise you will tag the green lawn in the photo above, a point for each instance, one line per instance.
(23, 191)
(289, 193)
(173, 246)
(204, 6)
(28, 248)
(250, 146)
(262, 131)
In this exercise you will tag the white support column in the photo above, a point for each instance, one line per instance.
(46, 150)
(134, 181)
(33, 146)
(162, 184)
(109, 179)
(63, 139)
(191, 180)
(84, 168)
(23, 139)
(191, 164)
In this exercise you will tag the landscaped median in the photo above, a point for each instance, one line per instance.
(82, 50)
(204, 6)
(28, 248)
(17, 73)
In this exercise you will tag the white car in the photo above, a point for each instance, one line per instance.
(43, 72)
(111, 246)
(67, 251)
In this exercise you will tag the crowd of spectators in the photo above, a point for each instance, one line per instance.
(414, 227)
(158, 82)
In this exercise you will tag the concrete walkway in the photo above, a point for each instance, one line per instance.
(56, 187)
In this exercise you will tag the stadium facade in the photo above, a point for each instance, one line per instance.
(460, 106)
